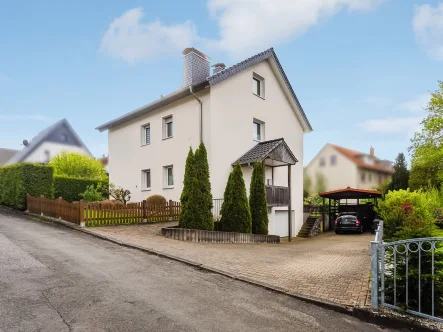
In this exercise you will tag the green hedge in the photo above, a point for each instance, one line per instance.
(18, 180)
(70, 188)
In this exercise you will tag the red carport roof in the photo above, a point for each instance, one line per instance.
(350, 193)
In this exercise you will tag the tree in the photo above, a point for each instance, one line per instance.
(427, 146)
(119, 194)
(257, 201)
(307, 184)
(236, 216)
(78, 166)
(204, 219)
(185, 215)
(196, 197)
(400, 178)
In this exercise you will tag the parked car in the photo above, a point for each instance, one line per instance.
(348, 222)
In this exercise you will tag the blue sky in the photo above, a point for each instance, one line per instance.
(361, 69)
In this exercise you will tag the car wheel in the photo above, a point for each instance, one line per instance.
(337, 232)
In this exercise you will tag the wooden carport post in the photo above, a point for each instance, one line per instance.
(289, 204)
(323, 215)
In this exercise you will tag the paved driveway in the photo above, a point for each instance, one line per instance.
(328, 267)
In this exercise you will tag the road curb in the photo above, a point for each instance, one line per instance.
(386, 318)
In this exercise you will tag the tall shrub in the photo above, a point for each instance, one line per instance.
(236, 216)
(185, 213)
(257, 201)
(78, 166)
(20, 179)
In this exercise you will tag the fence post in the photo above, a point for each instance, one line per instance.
(144, 212)
(81, 208)
(59, 208)
(171, 210)
(41, 202)
(374, 274)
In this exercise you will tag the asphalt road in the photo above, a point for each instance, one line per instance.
(57, 279)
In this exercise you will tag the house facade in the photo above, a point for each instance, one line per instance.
(232, 111)
(338, 167)
(51, 141)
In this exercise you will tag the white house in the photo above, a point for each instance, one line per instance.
(57, 138)
(341, 167)
(244, 113)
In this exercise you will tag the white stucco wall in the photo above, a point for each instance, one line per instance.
(341, 175)
(233, 108)
(128, 157)
(39, 154)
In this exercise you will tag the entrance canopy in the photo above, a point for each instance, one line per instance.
(272, 153)
(350, 193)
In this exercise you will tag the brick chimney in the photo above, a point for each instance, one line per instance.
(218, 67)
(371, 151)
(195, 65)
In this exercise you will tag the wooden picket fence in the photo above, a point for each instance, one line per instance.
(101, 214)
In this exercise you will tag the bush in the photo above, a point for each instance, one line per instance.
(93, 193)
(257, 201)
(236, 216)
(71, 189)
(156, 200)
(18, 180)
(78, 166)
(119, 194)
(196, 197)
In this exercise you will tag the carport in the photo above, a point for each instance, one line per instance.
(348, 200)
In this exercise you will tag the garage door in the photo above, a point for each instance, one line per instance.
(281, 223)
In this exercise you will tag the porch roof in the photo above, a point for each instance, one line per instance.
(350, 193)
(274, 153)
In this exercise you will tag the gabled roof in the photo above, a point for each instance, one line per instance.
(276, 150)
(5, 155)
(41, 137)
(215, 79)
(355, 157)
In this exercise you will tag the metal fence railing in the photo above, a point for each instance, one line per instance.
(216, 207)
(404, 275)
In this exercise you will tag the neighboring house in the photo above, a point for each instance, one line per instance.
(57, 138)
(5, 155)
(341, 168)
(243, 113)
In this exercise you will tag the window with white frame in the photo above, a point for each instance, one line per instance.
(167, 127)
(146, 134)
(258, 85)
(333, 159)
(322, 162)
(146, 179)
(258, 130)
(169, 176)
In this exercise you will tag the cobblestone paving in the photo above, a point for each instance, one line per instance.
(329, 267)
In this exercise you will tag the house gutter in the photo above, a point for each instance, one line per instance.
(201, 113)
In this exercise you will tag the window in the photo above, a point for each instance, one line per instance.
(334, 160)
(369, 177)
(322, 162)
(167, 127)
(363, 177)
(146, 179)
(64, 137)
(258, 132)
(146, 134)
(258, 85)
(169, 176)
(47, 156)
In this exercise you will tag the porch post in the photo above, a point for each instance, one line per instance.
(289, 203)
(329, 215)
(272, 175)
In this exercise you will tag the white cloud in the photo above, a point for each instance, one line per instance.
(248, 26)
(428, 28)
(245, 27)
(32, 117)
(392, 125)
(417, 104)
(131, 40)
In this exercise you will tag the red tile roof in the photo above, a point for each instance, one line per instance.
(355, 157)
(349, 189)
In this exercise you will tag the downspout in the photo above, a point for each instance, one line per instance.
(201, 113)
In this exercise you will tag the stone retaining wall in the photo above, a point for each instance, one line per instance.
(195, 235)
